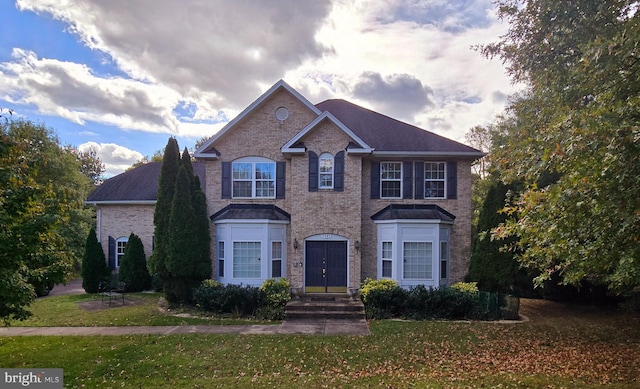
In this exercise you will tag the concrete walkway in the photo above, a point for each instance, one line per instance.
(290, 327)
(328, 327)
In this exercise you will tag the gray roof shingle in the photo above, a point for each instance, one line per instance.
(387, 134)
(139, 184)
(413, 212)
(251, 212)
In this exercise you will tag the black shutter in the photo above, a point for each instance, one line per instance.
(375, 179)
(338, 172)
(419, 192)
(112, 253)
(280, 179)
(313, 172)
(452, 180)
(407, 180)
(226, 180)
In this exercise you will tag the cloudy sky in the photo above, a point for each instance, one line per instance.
(123, 76)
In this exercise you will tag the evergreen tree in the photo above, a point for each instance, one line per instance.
(166, 189)
(133, 266)
(94, 264)
(202, 251)
(186, 162)
(181, 260)
(494, 269)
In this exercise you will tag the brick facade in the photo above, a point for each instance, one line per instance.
(119, 221)
(339, 215)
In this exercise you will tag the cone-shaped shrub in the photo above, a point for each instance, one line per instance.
(94, 264)
(133, 266)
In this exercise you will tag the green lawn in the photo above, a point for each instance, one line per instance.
(140, 309)
(561, 346)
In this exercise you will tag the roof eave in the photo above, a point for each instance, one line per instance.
(456, 154)
(360, 151)
(121, 202)
(206, 156)
(417, 221)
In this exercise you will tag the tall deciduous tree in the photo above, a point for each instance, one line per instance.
(578, 120)
(41, 195)
(133, 266)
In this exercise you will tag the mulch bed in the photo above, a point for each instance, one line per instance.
(98, 305)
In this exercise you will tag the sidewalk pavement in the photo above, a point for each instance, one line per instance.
(288, 327)
(292, 327)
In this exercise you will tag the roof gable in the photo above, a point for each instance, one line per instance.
(208, 151)
(390, 136)
(293, 145)
(139, 185)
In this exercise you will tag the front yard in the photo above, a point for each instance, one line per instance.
(561, 346)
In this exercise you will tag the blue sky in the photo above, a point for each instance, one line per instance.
(123, 76)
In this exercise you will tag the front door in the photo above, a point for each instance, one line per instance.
(326, 267)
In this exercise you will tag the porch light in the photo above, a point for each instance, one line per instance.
(357, 245)
(295, 243)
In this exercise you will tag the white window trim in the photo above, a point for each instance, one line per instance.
(119, 255)
(383, 259)
(253, 161)
(233, 259)
(382, 196)
(430, 278)
(443, 180)
(445, 257)
(281, 258)
(221, 258)
(251, 230)
(326, 156)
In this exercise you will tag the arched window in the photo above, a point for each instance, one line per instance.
(326, 171)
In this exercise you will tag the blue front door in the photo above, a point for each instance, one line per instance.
(326, 267)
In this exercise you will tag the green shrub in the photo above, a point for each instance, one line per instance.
(467, 287)
(228, 299)
(383, 299)
(277, 293)
(369, 285)
(133, 266)
(94, 264)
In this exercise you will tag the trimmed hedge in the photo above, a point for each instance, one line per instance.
(384, 299)
(266, 302)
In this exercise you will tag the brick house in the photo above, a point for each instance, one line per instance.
(329, 194)
(125, 204)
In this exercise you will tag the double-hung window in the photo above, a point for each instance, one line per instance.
(121, 244)
(391, 180)
(254, 179)
(434, 180)
(326, 171)
(276, 259)
(387, 259)
(221, 259)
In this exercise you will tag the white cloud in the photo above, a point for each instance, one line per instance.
(221, 47)
(116, 158)
(193, 65)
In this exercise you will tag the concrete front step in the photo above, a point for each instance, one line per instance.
(334, 307)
